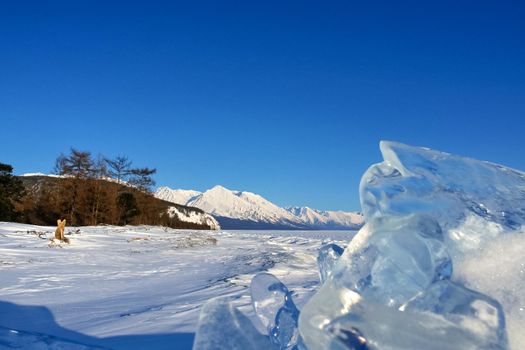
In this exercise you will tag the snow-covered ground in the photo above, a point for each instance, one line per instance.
(140, 287)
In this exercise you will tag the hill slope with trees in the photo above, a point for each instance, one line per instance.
(93, 191)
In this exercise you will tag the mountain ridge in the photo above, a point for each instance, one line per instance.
(248, 210)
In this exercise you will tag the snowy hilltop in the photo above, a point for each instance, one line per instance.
(247, 210)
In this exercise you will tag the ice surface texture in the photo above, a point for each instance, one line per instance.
(274, 306)
(328, 256)
(408, 279)
(449, 188)
(394, 287)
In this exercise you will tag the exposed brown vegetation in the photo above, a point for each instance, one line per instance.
(95, 202)
(96, 191)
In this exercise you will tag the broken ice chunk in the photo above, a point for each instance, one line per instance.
(328, 256)
(276, 310)
(223, 327)
(473, 311)
(374, 326)
(393, 258)
(450, 188)
(388, 262)
(342, 319)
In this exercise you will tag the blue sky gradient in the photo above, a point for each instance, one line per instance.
(285, 99)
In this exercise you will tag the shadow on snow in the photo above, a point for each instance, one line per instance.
(38, 321)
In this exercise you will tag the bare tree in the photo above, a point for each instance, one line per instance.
(100, 167)
(119, 168)
(78, 164)
(98, 193)
(60, 164)
(78, 167)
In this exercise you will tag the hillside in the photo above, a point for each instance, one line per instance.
(41, 205)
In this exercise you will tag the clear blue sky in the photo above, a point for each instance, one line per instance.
(288, 99)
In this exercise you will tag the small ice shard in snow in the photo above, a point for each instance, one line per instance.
(326, 260)
(276, 310)
(223, 327)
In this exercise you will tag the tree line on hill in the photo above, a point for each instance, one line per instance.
(87, 191)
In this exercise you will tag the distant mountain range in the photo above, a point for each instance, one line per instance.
(246, 210)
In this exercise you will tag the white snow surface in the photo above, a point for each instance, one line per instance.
(105, 178)
(243, 205)
(138, 287)
(40, 174)
(498, 269)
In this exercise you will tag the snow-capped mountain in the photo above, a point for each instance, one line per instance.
(326, 218)
(176, 196)
(247, 210)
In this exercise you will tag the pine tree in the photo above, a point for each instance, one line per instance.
(11, 191)
(127, 205)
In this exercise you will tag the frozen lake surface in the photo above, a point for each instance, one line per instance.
(141, 287)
